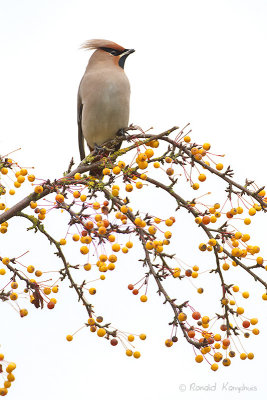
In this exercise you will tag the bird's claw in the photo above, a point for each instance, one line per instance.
(98, 149)
(122, 132)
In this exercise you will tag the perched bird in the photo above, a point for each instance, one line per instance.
(104, 95)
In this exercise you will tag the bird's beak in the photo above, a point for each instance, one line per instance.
(124, 55)
(128, 52)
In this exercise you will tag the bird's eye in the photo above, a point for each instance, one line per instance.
(113, 52)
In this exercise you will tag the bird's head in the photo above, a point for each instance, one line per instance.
(106, 48)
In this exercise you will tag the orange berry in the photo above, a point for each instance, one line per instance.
(219, 166)
(143, 298)
(116, 170)
(202, 177)
(206, 146)
(101, 332)
(38, 189)
(206, 220)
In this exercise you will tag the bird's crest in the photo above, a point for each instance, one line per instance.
(95, 44)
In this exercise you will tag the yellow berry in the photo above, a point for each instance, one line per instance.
(212, 242)
(116, 170)
(13, 296)
(195, 186)
(76, 237)
(199, 358)
(5, 260)
(131, 338)
(259, 260)
(38, 189)
(187, 139)
(10, 377)
(101, 332)
(252, 211)
(31, 178)
(214, 367)
(182, 316)
(84, 250)
(142, 336)
(254, 321)
(206, 146)
(92, 291)
(30, 269)
(116, 247)
(168, 343)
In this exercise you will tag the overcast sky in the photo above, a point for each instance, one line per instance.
(202, 62)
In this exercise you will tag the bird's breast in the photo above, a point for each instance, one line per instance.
(105, 97)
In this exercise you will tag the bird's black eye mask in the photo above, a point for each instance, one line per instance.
(112, 51)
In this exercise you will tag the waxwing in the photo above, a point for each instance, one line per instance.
(104, 95)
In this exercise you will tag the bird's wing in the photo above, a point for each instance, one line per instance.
(80, 132)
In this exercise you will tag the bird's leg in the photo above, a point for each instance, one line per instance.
(122, 132)
(99, 150)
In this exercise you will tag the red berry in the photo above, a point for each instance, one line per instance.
(246, 324)
(191, 334)
(114, 342)
(196, 315)
(130, 286)
(135, 291)
(226, 342)
(50, 305)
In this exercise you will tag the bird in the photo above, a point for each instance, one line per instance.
(104, 95)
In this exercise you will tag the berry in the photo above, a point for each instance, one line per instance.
(101, 332)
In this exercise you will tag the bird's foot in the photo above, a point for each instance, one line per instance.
(122, 133)
(99, 150)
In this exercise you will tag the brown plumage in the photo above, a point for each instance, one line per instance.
(104, 94)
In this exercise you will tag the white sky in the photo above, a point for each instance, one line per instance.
(202, 62)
